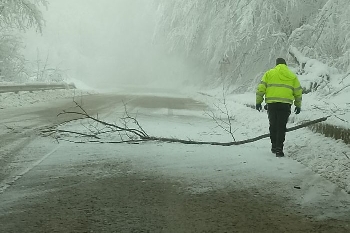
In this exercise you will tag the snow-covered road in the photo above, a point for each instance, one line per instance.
(163, 187)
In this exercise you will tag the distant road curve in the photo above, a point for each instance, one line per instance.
(34, 87)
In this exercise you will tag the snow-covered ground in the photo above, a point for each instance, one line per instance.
(27, 98)
(325, 156)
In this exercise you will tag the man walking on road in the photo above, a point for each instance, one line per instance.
(281, 88)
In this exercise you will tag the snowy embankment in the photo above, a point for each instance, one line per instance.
(10, 100)
(328, 96)
(325, 156)
(25, 98)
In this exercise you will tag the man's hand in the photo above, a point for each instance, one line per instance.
(258, 107)
(297, 110)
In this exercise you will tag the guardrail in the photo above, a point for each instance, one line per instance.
(34, 87)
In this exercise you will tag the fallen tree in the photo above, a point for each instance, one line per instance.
(135, 133)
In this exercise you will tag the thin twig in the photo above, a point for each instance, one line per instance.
(78, 133)
(85, 115)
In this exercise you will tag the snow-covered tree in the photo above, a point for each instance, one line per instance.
(328, 37)
(251, 34)
(16, 15)
(21, 14)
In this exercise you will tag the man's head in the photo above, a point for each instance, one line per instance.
(280, 61)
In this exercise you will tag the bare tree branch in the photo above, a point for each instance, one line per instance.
(346, 155)
(337, 92)
(139, 135)
(226, 123)
(85, 115)
(78, 133)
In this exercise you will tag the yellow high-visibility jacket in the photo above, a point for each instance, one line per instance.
(279, 85)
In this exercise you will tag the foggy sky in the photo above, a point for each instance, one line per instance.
(104, 43)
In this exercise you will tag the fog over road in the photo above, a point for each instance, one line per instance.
(97, 188)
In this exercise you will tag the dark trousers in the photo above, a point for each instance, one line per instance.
(278, 116)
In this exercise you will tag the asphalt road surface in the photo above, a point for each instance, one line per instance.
(77, 198)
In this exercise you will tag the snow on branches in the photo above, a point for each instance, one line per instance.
(316, 76)
(21, 14)
(251, 33)
(16, 15)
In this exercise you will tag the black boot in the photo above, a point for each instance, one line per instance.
(279, 152)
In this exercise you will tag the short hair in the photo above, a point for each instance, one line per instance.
(280, 61)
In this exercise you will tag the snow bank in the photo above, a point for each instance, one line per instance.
(324, 156)
(25, 98)
(330, 97)
(80, 85)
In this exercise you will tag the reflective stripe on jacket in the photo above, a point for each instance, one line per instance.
(279, 85)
